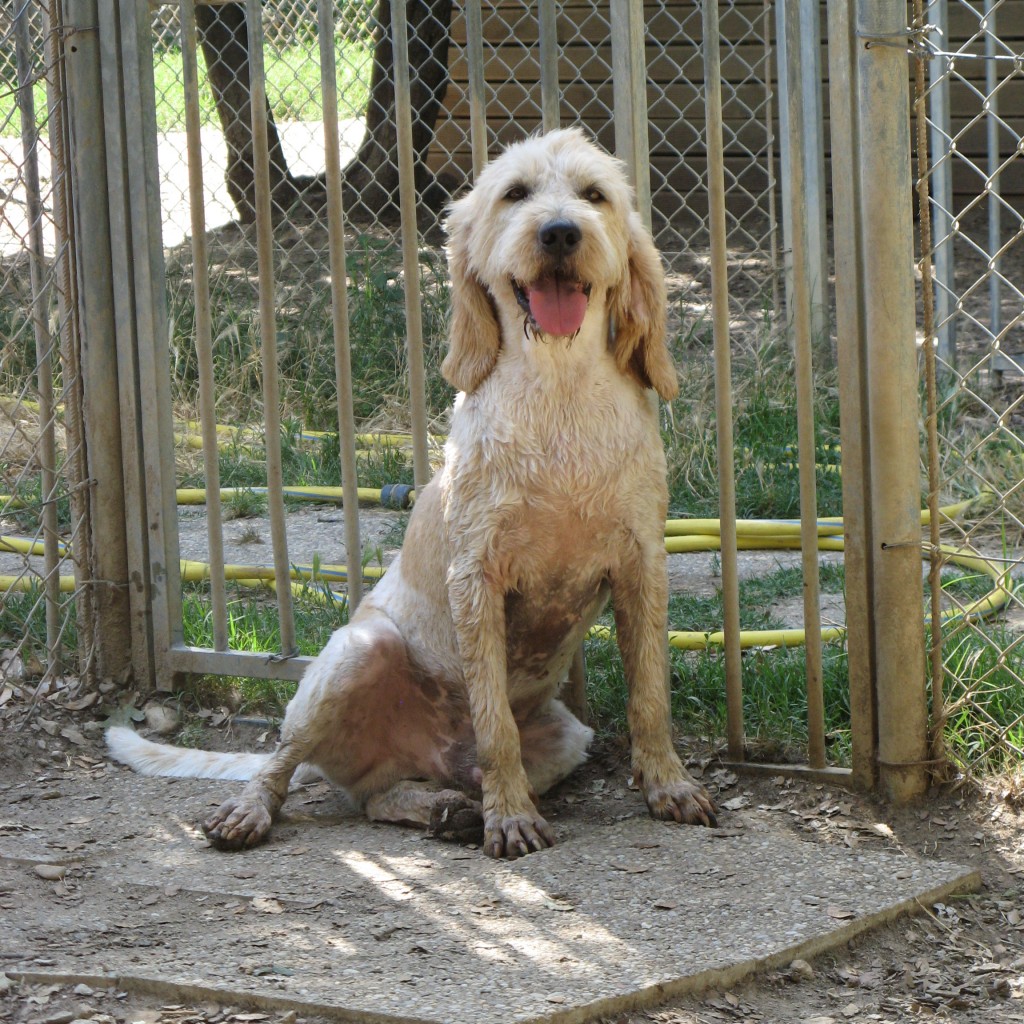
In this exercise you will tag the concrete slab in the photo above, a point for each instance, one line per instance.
(370, 922)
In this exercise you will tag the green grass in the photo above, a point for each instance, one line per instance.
(984, 682)
(293, 84)
(293, 87)
(764, 432)
(377, 321)
(23, 623)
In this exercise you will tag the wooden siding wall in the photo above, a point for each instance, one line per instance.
(676, 102)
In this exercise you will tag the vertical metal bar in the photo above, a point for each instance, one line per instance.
(477, 94)
(410, 245)
(339, 304)
(723, 379)
(629, 74)
(802, 295)
(132, 57)
(547, 18)
(117, 642)
(853, 387)
(268, 326)
(886, 220)
(942, 194)
(801, 132)
(75, 469)
(993, 185)
(204, 339)
(47, 452)
(769, 124)
(938, 702)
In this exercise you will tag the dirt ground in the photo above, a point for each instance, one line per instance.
(960, 961)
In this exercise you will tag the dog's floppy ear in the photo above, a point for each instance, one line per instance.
(639, 310)
(474, 336)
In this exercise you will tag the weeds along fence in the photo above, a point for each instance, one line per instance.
(241, 236)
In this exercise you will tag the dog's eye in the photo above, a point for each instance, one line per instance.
(516, 194)
(593, 195)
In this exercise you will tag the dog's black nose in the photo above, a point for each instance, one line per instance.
(559, 238)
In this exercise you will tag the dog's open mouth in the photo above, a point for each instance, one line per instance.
(555, 305)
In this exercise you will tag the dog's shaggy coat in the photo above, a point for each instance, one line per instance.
(443, 688)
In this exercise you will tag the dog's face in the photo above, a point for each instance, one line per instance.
(547, 222)
(549, 228)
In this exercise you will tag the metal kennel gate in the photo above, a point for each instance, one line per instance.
(110, 57)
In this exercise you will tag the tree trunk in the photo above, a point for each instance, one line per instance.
(371, 178)
(224, 37)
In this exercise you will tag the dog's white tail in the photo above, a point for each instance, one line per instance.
(149, 758)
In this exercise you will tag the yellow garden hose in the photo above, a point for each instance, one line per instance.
(681, 535)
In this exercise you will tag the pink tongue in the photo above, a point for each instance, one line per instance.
(557, 305)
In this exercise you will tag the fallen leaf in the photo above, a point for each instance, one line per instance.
(72, 735)
(266, 905)
(737, 803)
(839, 913)
(560, 905)
(81, 703)
(666, 904)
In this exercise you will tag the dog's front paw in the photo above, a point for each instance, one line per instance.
(515, 835)
(682, 800)
(237, 824)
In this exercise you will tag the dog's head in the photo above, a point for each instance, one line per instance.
(550, 228)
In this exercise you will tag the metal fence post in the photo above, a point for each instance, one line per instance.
(852, 389)
(629, 65)
(802, 155)
(140, 326)
(723, 380)
(942, 197)
(879, 289)
(119, 613)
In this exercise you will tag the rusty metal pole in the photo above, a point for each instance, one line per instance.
(852, 364)
(119, 618)
(884, 222)
(723, 381)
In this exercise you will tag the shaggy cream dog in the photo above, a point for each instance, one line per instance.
(437, 705)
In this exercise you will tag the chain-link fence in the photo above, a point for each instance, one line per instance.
(514, 64)
(479, 76)
(41, 456)
(975, 177)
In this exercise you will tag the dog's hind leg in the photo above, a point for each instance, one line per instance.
(446, 813)
(554, 743)
(353, 697)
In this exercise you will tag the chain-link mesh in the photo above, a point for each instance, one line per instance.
(370, 190)
(439, 63)
(40, 448)
(976, 182)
